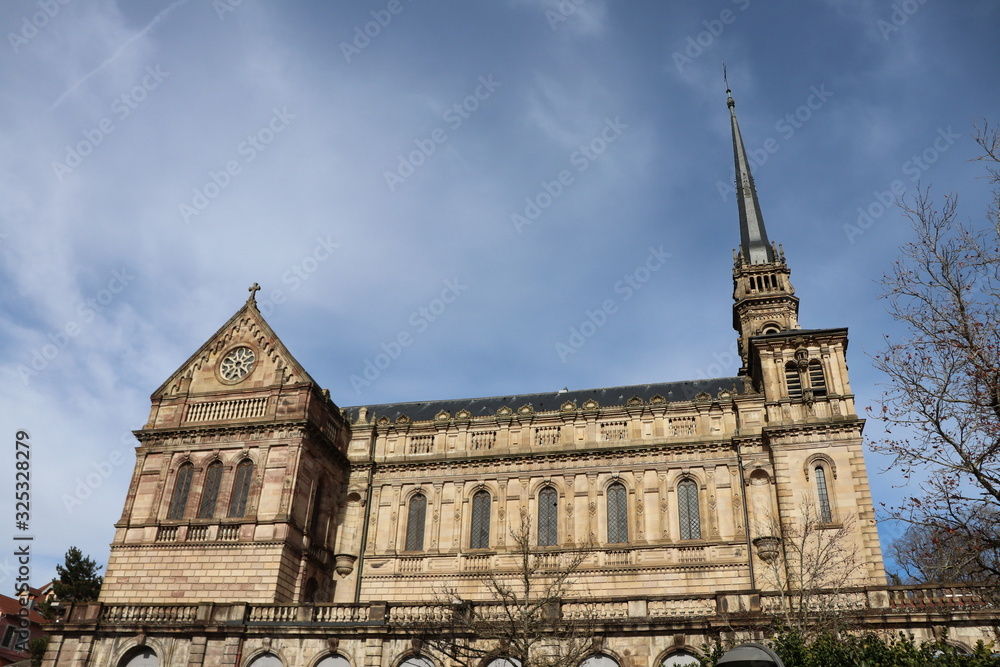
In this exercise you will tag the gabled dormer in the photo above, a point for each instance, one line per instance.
(241, 374)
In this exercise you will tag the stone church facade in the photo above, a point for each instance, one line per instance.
(264, 525)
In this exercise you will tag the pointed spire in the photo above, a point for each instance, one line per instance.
(753, 237)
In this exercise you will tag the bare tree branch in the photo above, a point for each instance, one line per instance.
(520, 620)
(944, 375)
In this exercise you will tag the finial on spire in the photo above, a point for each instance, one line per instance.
(729, 93)
(253, 289)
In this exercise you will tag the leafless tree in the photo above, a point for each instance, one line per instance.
(927, 554)
(519, 623)
(807, 580)
(942, 405)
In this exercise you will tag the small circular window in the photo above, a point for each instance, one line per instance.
(237, 364)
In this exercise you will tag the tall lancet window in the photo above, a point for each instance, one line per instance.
(793, 380)
(416, 517)
(816, 378)
(241, 489)
(823, 496)
(688, 512)
(182, 487)
(210, 492)
(480, 520)
(617, 514)
(548, 517)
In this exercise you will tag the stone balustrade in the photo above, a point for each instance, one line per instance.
(883, 600)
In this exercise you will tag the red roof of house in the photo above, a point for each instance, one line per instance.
(11, 607)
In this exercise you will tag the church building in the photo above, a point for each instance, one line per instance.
(266, 525)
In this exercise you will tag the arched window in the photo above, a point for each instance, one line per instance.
(548, 517)
(793, 380)
(823, 495)
(210, 492)
(416, 519)
(142, 656)
(309, 591)
(334, 661)
(417, 661)
(816, 378)
(241, 489)
(505, 661)
(316, 511)
(599, 660)
(182, 486)
(679, 658)
(480, 520)
(617, 514)
(688, 513)
(266, 660)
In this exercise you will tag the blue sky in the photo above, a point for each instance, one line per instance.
(366, 162)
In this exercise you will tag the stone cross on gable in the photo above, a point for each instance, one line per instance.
(253, 289)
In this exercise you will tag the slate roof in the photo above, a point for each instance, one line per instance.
(606, 397)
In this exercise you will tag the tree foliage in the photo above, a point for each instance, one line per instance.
(519, 619)
(943, 396)
(863, 650)
(78, 580)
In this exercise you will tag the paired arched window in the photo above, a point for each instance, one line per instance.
(825, 514)
(548, 517)
(688, 513)
(816, 378)
(241, 489)
(617, 514)
(480, 520)
(210, 491)
(793, 380)
(182, 487)
(142, 656)
(416, 518)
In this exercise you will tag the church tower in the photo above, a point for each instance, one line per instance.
(812, 433)
(239, 479)
(765, 298)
